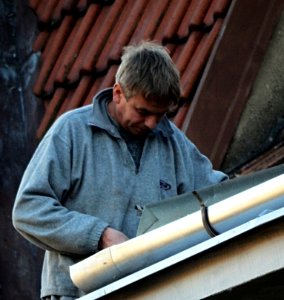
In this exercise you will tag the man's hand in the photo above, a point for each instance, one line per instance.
(111, 237)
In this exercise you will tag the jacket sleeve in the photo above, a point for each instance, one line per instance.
(204, 174)
(198, 171)
(38, 213)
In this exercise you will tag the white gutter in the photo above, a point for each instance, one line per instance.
(158, 271)
(142, 251)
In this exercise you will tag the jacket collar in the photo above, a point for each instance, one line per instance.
(100, 118)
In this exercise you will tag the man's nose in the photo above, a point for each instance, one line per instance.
(151, 121)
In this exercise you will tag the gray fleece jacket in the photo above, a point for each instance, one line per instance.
(82, 178)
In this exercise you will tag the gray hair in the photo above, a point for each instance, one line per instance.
(148, 70)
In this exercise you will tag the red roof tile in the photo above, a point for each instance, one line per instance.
(52, 52)
(122, 33)
(270, 158)
(198, 60)
(51, 110)
(34, 3)
(194, 54)
(217, 8)
(41, 41)
(60, 66)
(95, 42)
(45, 10)
(81, 44)
(193, 17)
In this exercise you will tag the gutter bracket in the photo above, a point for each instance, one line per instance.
(205, 219)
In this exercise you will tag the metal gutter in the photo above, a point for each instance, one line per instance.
(142, 251)
(163, 212)
(186, 254)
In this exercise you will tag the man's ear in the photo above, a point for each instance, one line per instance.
(117, 93)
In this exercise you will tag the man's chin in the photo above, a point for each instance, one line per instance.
(140, 132)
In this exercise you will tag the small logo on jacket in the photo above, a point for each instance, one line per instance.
(164, 185)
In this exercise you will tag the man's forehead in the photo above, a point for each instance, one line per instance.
(152, 107)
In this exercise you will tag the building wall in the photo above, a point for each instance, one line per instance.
(19, 114)
(263, 116)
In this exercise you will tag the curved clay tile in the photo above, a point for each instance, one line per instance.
(94, 89)
(52, 52)
(150, 21)
(79, 38)
(199, 59)
(184, 53)
(45, 11)
(217, 8)
(33, 4)
(60, 64)
(133, 13)
(78, 95)
(122, 33)
(61, 7)
(41, 41)
(171, 20)
(82, 5)
(103, 28)
(81, 52)
(95, 41)
(193, 19)
(51, 111)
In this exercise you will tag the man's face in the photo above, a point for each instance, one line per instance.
(136, 115)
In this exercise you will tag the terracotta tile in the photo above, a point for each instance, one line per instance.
(41, 40)
(104, 25)
(52, 52)
(150, 21)
(101, 83)
(104, 56)
(95, 42)
(53, 79)
(109, 78)
(79, 36)
(64, 106)
(78, 97)
(184, 53)
(199, 59)
(122, 33)
(272, 157)
(69, 5)
(45, 10)
(42, 75)
(171, 20)
(180, 117)
(92, 43)
(57, 14)
(51, 111)
(218, 8)
(193, 18)
(82, 5)
(34, 3)
(85, 49)
(93, 90)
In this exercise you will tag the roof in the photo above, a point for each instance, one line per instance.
(232, 251)
(272, 157)
(118, 261)
(81, 42)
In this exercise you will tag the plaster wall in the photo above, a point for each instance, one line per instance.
(20, 262)
(263, 117)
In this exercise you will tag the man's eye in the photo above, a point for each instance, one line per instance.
(161, 115)
(143, 112)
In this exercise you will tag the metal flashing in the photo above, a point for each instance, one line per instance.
(223, 238)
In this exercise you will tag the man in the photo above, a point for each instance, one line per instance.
(97, 163)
